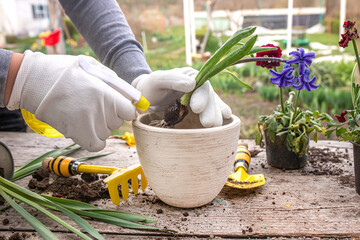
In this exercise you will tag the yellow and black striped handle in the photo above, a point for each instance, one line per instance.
(242, 157)
(62, 166)
(68, 166)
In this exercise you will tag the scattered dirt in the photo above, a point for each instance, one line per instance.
(347, 180)
(87, 189)
(90, 187)
(90, 177)
(5, 221)
(41, 174)
(19, 236)
(325, 162)
(254, 152)
(76, 189)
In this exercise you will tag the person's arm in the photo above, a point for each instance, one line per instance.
(104, 27)
(15, 63)
(5, 57)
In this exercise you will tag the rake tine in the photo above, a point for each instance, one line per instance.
(114, 192)
(125, 189)
(121, 177)
(135, 185)
(144, 181)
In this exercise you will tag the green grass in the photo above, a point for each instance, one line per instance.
(167, 53)
(324, 38)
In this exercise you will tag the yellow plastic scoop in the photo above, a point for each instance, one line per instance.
(240, 178)
(67, 167)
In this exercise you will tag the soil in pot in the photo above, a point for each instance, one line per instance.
(279, 156)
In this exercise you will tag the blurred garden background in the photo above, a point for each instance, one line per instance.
(159, 27)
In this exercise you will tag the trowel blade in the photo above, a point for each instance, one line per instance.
(257, 180)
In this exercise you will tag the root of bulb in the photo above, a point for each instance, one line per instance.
(173, 115)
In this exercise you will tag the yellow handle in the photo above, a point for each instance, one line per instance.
(68, 166)
(95, 169)
(143, 104)
(39, 126)
(242, 158)
(61, 165)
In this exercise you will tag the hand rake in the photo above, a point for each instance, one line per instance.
(67, 167)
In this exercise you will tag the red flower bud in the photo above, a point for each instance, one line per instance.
(350, 33)
(348, 25)
(341, 118)
(273, 53)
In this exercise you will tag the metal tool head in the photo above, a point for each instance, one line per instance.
(121, 177)
(6, 162)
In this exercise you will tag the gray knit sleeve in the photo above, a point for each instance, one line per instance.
(5, 56)
(104, 27)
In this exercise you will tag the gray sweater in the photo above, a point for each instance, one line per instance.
(104, 27)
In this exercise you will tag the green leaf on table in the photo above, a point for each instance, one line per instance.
(34, 199)
(36, 224)
(73, 204)
(108, 218)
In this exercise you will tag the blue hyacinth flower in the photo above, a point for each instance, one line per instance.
(301, 58)
(304, 82)
(283, 79)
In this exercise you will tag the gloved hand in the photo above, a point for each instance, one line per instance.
(211, 109)
(59, 92)
(162, 88)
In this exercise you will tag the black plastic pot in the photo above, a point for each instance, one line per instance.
(279, 156)
(356, 151)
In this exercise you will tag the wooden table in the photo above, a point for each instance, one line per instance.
(297, 203)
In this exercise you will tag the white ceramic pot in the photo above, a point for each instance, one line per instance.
(186, 166)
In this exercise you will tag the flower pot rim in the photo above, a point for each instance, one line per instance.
(355, 143)
(137, 123)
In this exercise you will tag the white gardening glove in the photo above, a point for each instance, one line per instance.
(211, 109)
(59, 92)
(205, 102)
(163, 87)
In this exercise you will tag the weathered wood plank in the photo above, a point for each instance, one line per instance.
(293, 203)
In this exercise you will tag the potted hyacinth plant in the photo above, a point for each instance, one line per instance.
(186, 164)
(288, 129)
(348, 126)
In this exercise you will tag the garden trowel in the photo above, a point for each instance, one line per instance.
(240, 178)
(67, 167)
